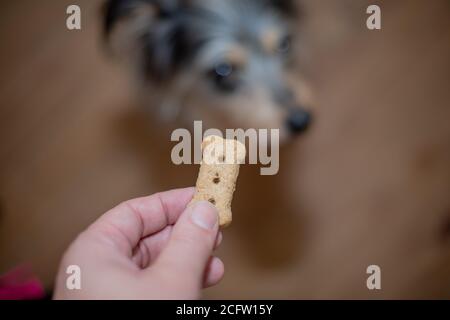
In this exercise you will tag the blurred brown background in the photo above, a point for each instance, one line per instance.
(369, 184)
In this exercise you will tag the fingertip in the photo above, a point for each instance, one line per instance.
(204, 215)
(214, 272)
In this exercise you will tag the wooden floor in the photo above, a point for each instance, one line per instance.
(369, 184)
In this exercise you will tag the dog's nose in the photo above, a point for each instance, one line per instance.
(298, 120)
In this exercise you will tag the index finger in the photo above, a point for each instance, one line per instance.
(134, 219)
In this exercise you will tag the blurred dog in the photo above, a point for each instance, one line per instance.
(225, 62)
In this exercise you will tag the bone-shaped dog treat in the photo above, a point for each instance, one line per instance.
(219, 170)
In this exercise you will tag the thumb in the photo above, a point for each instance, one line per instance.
(191, 244)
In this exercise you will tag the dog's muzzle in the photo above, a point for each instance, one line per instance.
(298, 120)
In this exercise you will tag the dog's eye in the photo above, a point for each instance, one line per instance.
(224, 78)
(285, 44)
(223, 69)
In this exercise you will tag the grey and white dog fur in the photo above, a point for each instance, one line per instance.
(228, 63)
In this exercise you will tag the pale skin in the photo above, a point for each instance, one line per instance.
(146, 248)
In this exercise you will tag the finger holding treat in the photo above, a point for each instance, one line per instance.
(218, 173)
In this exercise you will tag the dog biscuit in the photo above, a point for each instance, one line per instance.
(219, 170)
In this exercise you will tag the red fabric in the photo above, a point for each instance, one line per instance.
(20, 284)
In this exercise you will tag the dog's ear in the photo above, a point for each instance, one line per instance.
(118, 10)
(288, 7)
(153, 27)
(114, 11)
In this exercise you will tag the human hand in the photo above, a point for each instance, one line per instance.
(146, 248)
